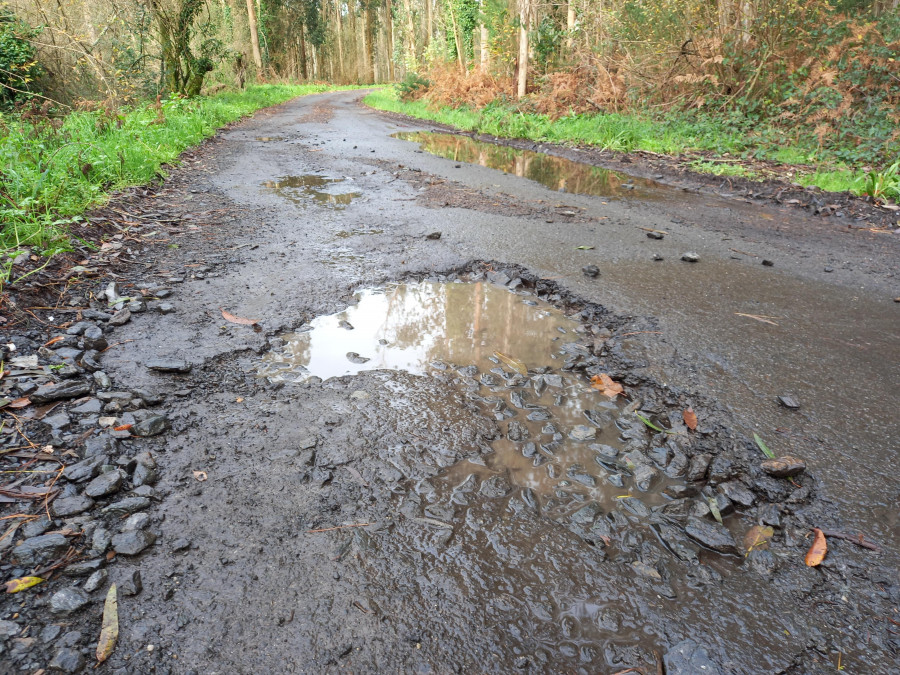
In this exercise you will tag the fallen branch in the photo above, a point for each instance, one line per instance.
(858, 539)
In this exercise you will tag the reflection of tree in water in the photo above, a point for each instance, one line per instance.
(554, 172)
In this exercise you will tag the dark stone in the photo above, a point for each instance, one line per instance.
(34, 549)
(130, 583)
(605, 452)
(644, 477)
(105, 484)
(721, 469)
(104, 444)
(433, 236)
(57, 392)
(634, 506)
(762, 562)
(587, 514)
(67, 660)
(690, 257)
(70, 506)
(769, 514)
(680, 491)
(768, 263)
(100, 540)
(654, 234)
(83, 569)
(152, 426)
(789, 402)
(591, 271)
(95, 581)
(144, 475)
(9, 629)
(495, 486)
(120, 318)
(85, 469)
(689, 658)
(737, 493)
(164, 365)
(711, 535)
(68, 600)
(36, 527)
(132, 543)
(90, 407)
(783, 467)
(697, 468)
(127, 505)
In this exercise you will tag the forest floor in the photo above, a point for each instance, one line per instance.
(442, 508)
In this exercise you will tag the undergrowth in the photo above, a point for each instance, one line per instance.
(53, 168)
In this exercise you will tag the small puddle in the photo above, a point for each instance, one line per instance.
(303, 190)
(556, 173)
(563, 444)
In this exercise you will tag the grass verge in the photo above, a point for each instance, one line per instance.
(52, 170)
(669, 135)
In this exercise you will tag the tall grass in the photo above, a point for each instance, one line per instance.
(51, 170)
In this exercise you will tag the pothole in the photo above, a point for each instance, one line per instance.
(556, 173)
(565, 446)
(311, 188)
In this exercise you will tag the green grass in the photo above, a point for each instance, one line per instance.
(669, 134)
(53, 170)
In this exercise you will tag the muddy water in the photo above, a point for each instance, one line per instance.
(412, 326)
(302, 190)
(556, 173)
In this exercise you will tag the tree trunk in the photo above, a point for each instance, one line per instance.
(302, 36)
(410, 35)
(485, 48)
(339, 39)
(351, 15)
(369, 42)
(429, 23)
(389, 27)
(570, 26)
(524, 7)
(457, 36)
(254, 35)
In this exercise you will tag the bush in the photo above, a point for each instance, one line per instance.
(412, 87)
(18, 64)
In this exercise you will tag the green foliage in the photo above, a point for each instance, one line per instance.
(52, 172)
(18, 59)
(881, 184)
(412, 86)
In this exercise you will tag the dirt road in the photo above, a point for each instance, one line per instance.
(389, 521)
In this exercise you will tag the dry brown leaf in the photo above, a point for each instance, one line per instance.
(123, 427)
(20, 403)
(606, 386)
(228, 316)
(200, 476)
(690, 419)
(817, 551)
(515, 364)
(757, 537)
(109, 631)
(54, 340)
(20, 584)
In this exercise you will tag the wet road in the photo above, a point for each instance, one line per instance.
(302, 244)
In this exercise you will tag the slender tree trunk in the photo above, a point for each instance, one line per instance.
(457, 36)
(524, 7)
(339, 39)
(429, 23)
(254, 35)
(369, 42)
(485, 48)
(570, 26)
(302, 36)
(389, 27)
(410, 35)
(351, 15)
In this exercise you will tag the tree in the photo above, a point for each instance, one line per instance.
(182, 70)
(18, 59)
(254, 35)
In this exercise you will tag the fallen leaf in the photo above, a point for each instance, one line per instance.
(237, 319)
(714, 509)
(200, 476)
(757, 537)
(240, 399)
(515, 364)
(20, 584)
(54, 340)
(123, 427)
(109, 631)
(816, 552)
(651, 425)
(762, 446)
(690, 419)
(584, 248)
(606, 386)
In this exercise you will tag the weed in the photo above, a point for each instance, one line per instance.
(881, 184)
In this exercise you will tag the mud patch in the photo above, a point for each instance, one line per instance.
(310, 188)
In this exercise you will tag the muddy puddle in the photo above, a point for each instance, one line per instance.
(311, 188)
(556, 173)
(563, 444)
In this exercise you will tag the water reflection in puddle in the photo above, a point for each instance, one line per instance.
(560, 441)
(555, 173)
(311, 187)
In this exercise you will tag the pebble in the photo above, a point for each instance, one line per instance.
(57, 392)
(100, 540)
(689, 658)
(690, 257)
(783, 467)
(71, 506)
(68, 600)
(67, 660)
(102, 380)
(591, 271)
(95, 581)
(132, 543)
(152, 426)
(789, 402)
(136, 521)
(34, 549)
(655, 235)
(127, 505)
(433, 236)
(120, 318)
(711, 535)
(768, 263)
(130, 583)
(136, 306)
(9, 628)
(87, 408)
(167, 365)
(582, 432)
(166, 308)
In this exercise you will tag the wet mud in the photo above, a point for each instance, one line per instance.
(465, 500)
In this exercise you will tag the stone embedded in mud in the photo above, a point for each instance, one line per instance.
(127, 505)
(130, 582)
(690, 256)
(721, 469)
(105, 484)
(67, 660)
(132, 543)
(68, 600)
(34, 549)
(433, 236)
(789, 402)
(655, 234)
(353, 357)
(737, 493)
(152, 426)
(698, 466)
(582, 432)
(495, 486)
(644, 477)
(57, 392)
(95, 581)
(689, 658)
(783, 467)
(645, 570)
(85, 469)
(587, 514)
(711, 535)
(166, 365)
(71, 506)
(591, 271)
(120, 318)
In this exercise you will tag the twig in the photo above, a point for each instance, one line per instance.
(339, 527)
(859, 539)
(756, 317)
